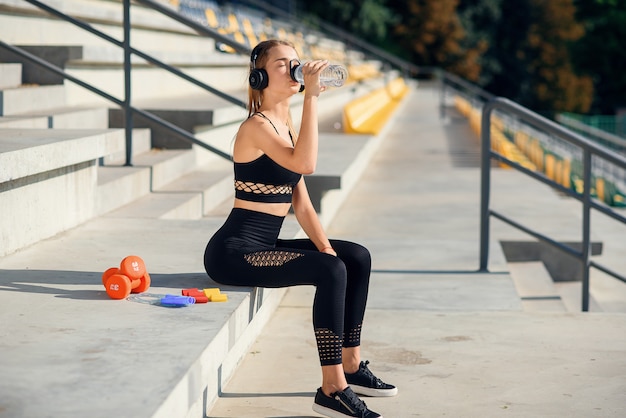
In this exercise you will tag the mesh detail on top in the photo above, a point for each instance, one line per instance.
(353, 337)
(260, 188)
(270, 258)
(328, 346)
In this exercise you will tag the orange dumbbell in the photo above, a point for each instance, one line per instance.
(130, 277)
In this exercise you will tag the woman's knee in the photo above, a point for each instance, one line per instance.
(333, 273)
(353, 254)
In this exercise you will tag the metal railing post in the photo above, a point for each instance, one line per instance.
(128, 113)
(586, 250)
(485, 184)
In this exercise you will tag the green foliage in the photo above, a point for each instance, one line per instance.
(429, 31)
(601, 51)
(555, 86)
(480, 19)
(548, 55)
(369, 19)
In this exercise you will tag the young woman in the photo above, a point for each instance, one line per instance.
(269, 161)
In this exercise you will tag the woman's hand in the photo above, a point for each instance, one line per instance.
(311, 72)
(328, 250)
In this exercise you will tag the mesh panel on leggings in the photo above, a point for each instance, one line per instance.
(328, 346)
(270, 258)
(353, 337)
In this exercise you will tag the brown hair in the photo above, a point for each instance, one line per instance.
(258, 59)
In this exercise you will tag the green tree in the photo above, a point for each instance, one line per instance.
(531, 48)
(431, 34)
(369, 19)
(554, 84)
(601, 52)
(480, 20)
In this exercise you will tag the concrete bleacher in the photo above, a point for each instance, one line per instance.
(73, 209)
(369, 113)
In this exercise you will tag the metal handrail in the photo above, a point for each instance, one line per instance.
(128, 51)
(454, 81)
(589, 149)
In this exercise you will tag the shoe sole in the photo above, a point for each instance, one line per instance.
(374, 393)
(331, 413)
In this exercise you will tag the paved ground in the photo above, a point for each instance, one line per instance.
(456, 342)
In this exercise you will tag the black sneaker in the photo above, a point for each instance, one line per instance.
(365, 383)
(344, 404)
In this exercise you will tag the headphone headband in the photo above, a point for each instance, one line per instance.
(254, 55)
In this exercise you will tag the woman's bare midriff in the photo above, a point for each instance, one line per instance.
(276, 209)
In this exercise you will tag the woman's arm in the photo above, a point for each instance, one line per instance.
(257, 136)
(308, 219)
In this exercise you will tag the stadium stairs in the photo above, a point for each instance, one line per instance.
(72, 208)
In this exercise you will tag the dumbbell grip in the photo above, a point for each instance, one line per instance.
(174, 300)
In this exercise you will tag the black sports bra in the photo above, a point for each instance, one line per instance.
(263, 180)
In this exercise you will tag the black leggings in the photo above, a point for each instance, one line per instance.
(246, 251)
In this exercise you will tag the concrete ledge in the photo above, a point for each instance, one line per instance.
(337, 153)
(28, 152)
(10, 75)
(47, 181)
(23, 122)
(57, 55)
(102, 12)
(31, 99)
(119, 357)
(58, 118)
(119, 186)
(193, 113)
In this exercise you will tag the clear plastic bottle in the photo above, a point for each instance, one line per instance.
(334, 75)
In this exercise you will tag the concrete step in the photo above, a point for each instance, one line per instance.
(166, 165)
(535, 287)
(106, 57)
(571, 295)
(24, 122)
(213, 183)
(150, 83)
(10, 75)
(189, 196)
(59, 118)
(22, 151)
(141, 144)
(26, 25)
(176, 188)
(48, 181)
(195, 113)
(159, 205)
(57, 284)
(119, 186)
(29, 98)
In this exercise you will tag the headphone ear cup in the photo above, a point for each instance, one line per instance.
(258, 79)
(301, 88)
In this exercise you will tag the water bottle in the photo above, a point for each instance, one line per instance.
(334, 75)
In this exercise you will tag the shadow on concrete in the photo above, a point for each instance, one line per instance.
(429, 272)
(63, 284)
(307, 395)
